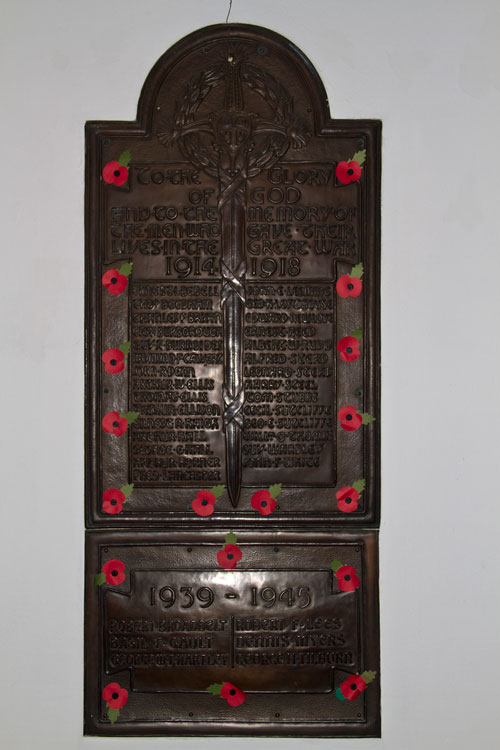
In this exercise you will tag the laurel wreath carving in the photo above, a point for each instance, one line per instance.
(283, 130)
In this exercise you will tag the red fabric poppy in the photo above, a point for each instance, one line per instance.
(114, 282)
(204, 503)
(347, 578)
(350, 419)
(112, 422)
(352, 687)
(348, 348)
(349, 286)
(114, 360)
(263, 502)
(229, 556)
(233, 695)
(115, 173)
(114, 695)
(113, 500)
(348, 171)
(347, 499)
(114, 570)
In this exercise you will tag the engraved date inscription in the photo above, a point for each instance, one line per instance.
(204, 597)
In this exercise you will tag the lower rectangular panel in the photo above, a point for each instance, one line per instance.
(192, 633)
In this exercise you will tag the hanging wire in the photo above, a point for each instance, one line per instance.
(229, 11)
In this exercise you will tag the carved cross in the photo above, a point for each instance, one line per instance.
(233, 145)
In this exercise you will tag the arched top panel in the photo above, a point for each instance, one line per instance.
(259, 61)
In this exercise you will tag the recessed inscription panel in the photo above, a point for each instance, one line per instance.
(175, 384)
(289, 380)
(237, 620)
(290, 624)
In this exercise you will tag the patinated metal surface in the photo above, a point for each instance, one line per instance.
(225, 236)
(278, 626)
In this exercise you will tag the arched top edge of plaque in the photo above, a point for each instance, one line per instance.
(255, 44)
(260, 48)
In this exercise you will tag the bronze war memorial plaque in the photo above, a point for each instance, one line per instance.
(232, 401)
(287, 633)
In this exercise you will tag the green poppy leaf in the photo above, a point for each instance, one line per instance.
(131, 416)
(113, 714)
(359, 485)
(357, 271)
(275, 489)
(215, 688)
(126, 269)
(217, 489)
(335, 565)
(125, 156)
(360, 157)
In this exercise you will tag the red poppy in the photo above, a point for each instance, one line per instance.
(114, 570)
(114, 282)
(115, 173)
(113, 501)
(263, 502)
(233, 695)
(349, 286)
(347, 578)
(348, 171)
(352, 687)
(229, 556)
(348, 348)
(114, 695)
(350, 418)
(113, 360)
(347, 499)
(204, 503)
(112, 422)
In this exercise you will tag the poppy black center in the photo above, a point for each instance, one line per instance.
(204, 502)
(348, 500)
(114, 280)
(349, 171)
(350, 286)
(113, 502)
(115, 424)
(117, 172)
(348, 417)
(353, 686)
(112, 362)
(347, 577)
(114, 573)
(348, 350)
(232, 691)
(263, 503)
(230, 556)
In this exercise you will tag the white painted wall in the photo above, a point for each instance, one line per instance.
(430, 71)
